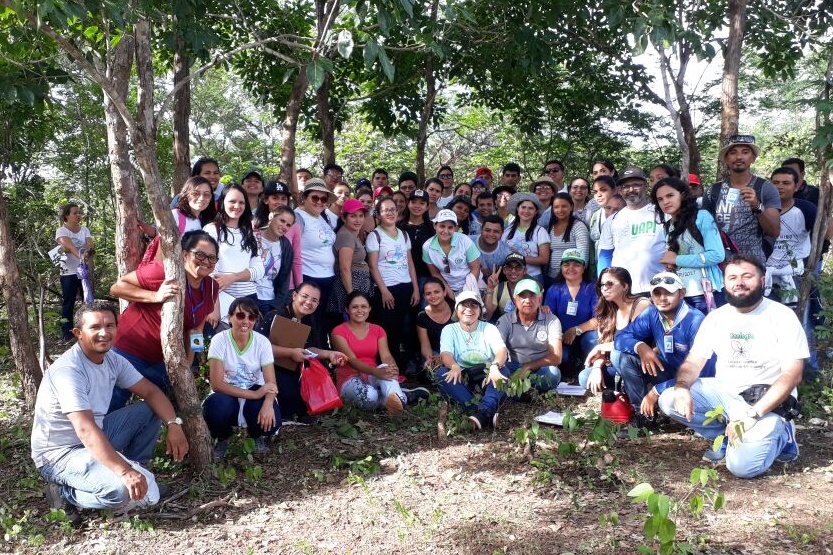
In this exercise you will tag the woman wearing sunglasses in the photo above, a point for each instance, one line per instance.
(146, 289)
(242, 371)
(316, 246)
(617, 307)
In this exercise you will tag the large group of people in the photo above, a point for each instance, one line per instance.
(620, 279)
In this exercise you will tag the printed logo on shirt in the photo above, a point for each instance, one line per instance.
(742, 336)
(644, 228)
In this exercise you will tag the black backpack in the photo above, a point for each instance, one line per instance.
(711, 195)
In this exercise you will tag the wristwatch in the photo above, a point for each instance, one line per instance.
(177, 420)
(752, 413)
(578, 331)
(759, 209)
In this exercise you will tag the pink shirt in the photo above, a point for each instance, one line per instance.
(366, 350)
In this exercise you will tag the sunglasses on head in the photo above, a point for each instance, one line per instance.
(446, 266)
(241, 316)
(665, 280)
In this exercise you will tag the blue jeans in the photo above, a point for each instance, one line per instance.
(756, 452)
(70, 287)
(220, 412)
(157, 373)
(87, 483)
(370, 395)
(636, 382)
(543, 379)
(289, 394)
(576, 352)
(463, 394)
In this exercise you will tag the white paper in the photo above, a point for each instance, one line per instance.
(571, 390)
(552, 417)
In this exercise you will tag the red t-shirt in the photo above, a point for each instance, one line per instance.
(366, 350)
(140, 324)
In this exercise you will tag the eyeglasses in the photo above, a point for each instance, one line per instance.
(667, 280)
(241, 316)
(305, 297)
(202, 195)
(553, 170)
(202, 257)
(446, 266)
(318, 199)
(446, 175)
(607, 285)
(388, 211)
(333, 175)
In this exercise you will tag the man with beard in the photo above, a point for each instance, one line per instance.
(633, 239)
(745, 207)
(760, 347)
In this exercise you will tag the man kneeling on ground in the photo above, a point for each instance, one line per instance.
(89, 458)
(760, 347)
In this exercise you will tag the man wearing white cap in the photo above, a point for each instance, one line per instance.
(532, 338)
(669, 324)
(451, 256)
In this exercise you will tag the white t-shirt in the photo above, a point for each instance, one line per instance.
(317, 238)
(794, 241)
(520, 245)
(241, 368)
(443, 201)
(270, 254)
(233, 259)
(393, 255)
(188, 224)
(752, 347)
(69, 263)
(638, 242)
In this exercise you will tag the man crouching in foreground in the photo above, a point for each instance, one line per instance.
(760, 345)
(89, 458)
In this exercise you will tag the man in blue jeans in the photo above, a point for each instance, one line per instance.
(670, 324)
(532, 338)
(760, 347)
(89, 458)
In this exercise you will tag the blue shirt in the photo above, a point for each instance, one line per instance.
(558, 295)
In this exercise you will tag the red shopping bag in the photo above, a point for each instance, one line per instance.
(317, 388)
(616, 406)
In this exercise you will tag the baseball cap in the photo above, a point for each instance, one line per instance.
(694, 179)
(515, 257)
(470, 296)
(252, 171)
(669, 281)
(363, 182)
(479, 181)
(631, 172)
(351, 206)
(482, 170)
(574, 255)
(527, 284)
(418, 194)
(382, 191)
(276, 188)
(445, 215)
(740, 140)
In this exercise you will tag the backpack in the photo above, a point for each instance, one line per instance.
(710, 197)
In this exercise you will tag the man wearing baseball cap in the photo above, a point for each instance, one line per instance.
(746, 207)
(532, 338)
(670, 325)
(633, 238)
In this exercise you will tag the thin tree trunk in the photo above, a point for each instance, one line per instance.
(428, 108)
(118, 65)
(181, 117)
(20, 333)
(325, 121)
(667, 73)
(290, 127)
(144, 144)
(729, 114)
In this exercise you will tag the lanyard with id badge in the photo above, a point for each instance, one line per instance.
(195, 338)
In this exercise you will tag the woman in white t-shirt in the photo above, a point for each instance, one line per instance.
(392, 269)
(525, 237)
(76, 243)
(242, 376)
(239, 265)
(193, 200)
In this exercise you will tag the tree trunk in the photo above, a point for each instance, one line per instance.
(181, 117)
(290, 127)
(428, 108)
(144, 144)
(325, 122)
(668, 80)
(20, 333)
(729, 114)
(119, 63)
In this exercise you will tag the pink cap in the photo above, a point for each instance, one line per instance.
(351, 206)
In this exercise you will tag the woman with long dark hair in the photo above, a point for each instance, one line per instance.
(617, 307)
(239, 265)
(525, 237)
(209, 168)
(566, 232)
(694, 245)
(583, 204)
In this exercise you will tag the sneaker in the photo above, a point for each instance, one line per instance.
(261, 448)
(716, 457)
(55, 500)
(220, 449)
(414, 395)
(481, 419)
(394, 404)
(789, 453)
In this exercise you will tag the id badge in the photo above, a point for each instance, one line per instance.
(733, 196)
(197, 342)
(572, 308)
(668, 343)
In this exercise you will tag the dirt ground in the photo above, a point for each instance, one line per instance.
(368, 484)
